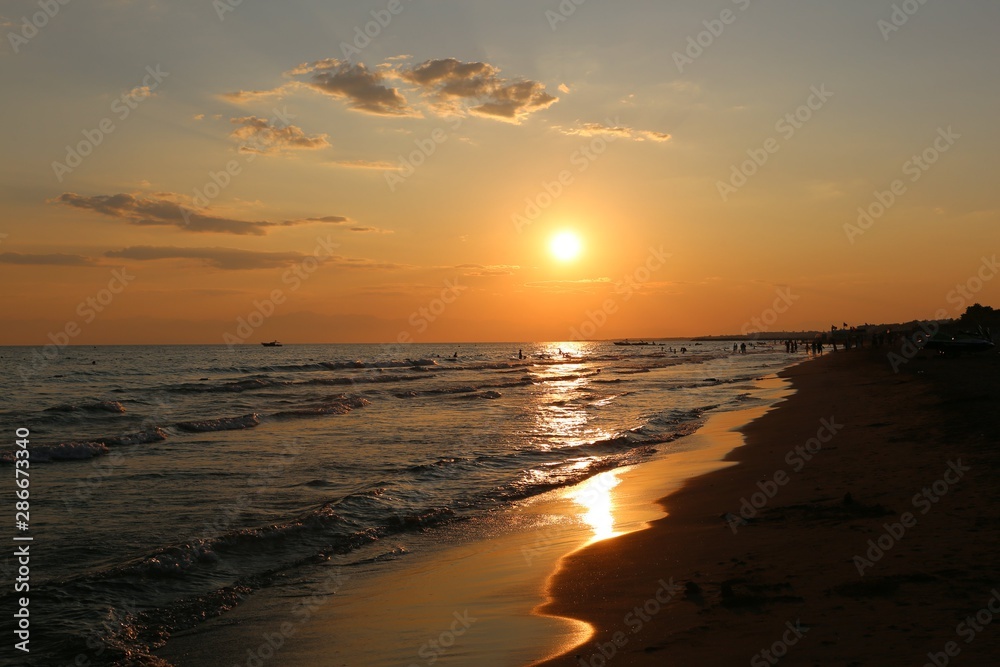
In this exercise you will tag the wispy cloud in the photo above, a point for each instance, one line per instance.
(259, 135)
(482, 271)
(370, 230)
(379, 165)
(235, 259)
(167, 209)
(243, 96)
(54, 259)
(617, 131)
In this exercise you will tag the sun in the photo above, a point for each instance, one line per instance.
(566, 246)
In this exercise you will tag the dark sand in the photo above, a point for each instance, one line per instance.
(794, 563)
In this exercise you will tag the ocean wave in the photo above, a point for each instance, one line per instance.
(138, 438)
(339, 406)
(96, 406)
(67, 451)
(487, 395)
(220, 424)
(256, 384)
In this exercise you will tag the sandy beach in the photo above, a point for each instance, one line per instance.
(867, 534)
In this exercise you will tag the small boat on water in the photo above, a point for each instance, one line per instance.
(273, 343)
(626, 342)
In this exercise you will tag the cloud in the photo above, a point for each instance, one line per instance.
(616, 131)
(371, 230)
(481, 271)
(55, 259)
(259, 135)
(582, 281)
(366, 164)
(362, 89)
(330, 219)
(450, 85)
(452, 82)
(241, 96)
(235, 259)
(222, 258)
(166, 209)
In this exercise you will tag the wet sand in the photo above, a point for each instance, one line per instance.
(873, 539)
(475, 603)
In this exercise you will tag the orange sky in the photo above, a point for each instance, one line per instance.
(708, 159)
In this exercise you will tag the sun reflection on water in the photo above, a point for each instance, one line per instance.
(594, 496)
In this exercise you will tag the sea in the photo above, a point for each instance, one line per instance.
(170, 485)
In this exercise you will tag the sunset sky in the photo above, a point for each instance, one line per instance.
(210, 152)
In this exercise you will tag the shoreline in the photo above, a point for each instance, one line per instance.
(493, 583)
(822, 478)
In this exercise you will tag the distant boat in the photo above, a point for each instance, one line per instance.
(627, 342)
(273, 343)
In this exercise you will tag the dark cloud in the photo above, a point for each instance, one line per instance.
(55, 259)
(370, 230)
(452, 86)
(362, 89)
(221, 258)
(259, 135)
(332, 219)
(164, 209)
(235, 259)
(452, 82)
